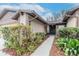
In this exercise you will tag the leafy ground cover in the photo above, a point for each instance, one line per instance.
(67, 42)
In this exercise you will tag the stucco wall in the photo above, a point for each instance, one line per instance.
(77, 14)
(78, 22)
(72, 22)
(47, 28)
(37, 26)
(59, 27)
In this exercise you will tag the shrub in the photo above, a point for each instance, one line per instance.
(69, 46)
(39, 37)
(69, 32)
(16, 37)
(68, 41)
(20, 38)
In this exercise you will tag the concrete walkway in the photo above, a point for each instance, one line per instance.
(44, 49)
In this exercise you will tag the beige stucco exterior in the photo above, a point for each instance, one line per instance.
(72, 22)
(37, 26)
(59, 27)
(47, 28)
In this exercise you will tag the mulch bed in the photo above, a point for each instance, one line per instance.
(10, 51)
(55, 51)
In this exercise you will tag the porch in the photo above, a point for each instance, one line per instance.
(54, 27)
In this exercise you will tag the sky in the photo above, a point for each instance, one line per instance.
(57, 6)
(43, 9)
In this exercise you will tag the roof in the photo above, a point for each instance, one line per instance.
(71, 12)
(31, 13)
(5, 10)
(6, 15)
(8, 12)
(57, 23)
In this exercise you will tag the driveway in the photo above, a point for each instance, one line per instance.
(44, 49)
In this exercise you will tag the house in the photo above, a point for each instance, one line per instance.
(72, 18)
(5, 17)
(29, 17)
(38, 24)
(26, 17)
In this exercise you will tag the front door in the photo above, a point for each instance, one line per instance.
(52, 29)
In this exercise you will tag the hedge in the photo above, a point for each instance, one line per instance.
(21, 38)
(69, 32)
(68, 41)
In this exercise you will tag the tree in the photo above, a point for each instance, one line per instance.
(57, 16)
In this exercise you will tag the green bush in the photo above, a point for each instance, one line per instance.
(69, 32)
(69, 46)
(21, 38)
(39, 37)
(68, 41)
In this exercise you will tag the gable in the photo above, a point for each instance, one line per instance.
(33, 16)
(70, 13)
(7, 18)
(8, 15)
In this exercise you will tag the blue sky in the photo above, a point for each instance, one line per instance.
(57, 6)
(51, 6)
(43, 9)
